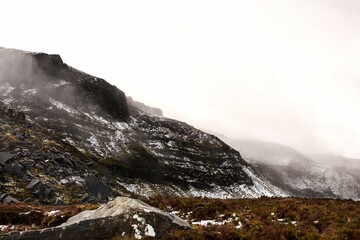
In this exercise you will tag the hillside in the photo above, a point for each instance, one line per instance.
(67, 137)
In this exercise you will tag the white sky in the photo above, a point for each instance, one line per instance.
(284, 71)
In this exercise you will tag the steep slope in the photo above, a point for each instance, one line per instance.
(72, 137)
(297, 174)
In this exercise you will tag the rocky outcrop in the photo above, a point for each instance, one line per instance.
(40, 70)
(135, 105)
(123, 217)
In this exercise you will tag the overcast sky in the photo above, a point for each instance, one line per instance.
(283, 71)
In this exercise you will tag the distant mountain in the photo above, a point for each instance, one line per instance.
(299, 175)
(67, 136)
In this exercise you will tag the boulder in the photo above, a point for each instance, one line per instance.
(97, 188)
(121, 218)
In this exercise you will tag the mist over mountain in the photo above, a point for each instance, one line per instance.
(299, 175)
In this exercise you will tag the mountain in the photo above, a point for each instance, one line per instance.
(349, 165)
(67, 136)
(297, 174)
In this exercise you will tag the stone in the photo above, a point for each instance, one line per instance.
(2, 196)
(9, 199)
(78, 180)
(59, 158)
(33, 184)
(17, 169)
(64, 181)
(5, 157)
(97, 188)
(59, 202)
(20, 117)
(87, 198)
(9, 113)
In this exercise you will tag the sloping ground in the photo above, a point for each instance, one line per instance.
(74, 138)
(264, 218)
(297, 174)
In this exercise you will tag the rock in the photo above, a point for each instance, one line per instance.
(28, 200)
(59, 202)
(17, 169)
(9, 146)
(59, 158)
(48, 193)
(41, 190)
(20, 117)
(121, 218)
(78, 180)
(2, 196)
(5, 157)
(64, 181)
(33, 184)
(9, 113)
(9, 199)
(87, 198)
(141, 106)
(97, 188)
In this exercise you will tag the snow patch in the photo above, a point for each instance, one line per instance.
(149, 231)
(63, 106)
(52, 213)
(137, 233)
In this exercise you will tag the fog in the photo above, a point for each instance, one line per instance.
(280, 71)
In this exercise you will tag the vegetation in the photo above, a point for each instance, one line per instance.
(29, 216)
(264, 218)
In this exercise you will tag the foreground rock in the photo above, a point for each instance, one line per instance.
(123, 217)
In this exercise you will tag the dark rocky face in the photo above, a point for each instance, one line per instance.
(42, 71)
